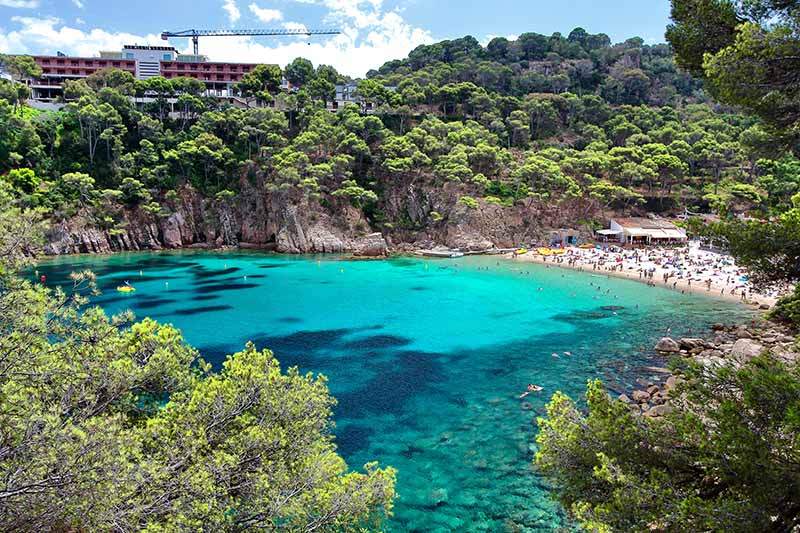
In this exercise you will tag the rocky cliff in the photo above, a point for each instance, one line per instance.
(411, 216)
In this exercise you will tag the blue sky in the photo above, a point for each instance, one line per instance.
(374, 31)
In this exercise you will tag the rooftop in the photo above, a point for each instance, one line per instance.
(149, 47)
(644, 223)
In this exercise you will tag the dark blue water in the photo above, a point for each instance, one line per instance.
(427, 358)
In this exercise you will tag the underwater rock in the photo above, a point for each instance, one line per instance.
(437, 497)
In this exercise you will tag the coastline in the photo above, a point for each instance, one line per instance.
(757, 301)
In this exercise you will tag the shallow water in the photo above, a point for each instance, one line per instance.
(426, 357)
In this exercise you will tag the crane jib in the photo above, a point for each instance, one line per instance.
(194, 34)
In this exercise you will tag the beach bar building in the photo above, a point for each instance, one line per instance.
(643, 231)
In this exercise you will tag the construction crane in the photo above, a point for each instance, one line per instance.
(196, 34)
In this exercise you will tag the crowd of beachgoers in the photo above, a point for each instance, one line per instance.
(688, 268)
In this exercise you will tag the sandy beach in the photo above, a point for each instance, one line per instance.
(686, 269)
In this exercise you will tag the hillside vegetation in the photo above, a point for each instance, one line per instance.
(574, 125)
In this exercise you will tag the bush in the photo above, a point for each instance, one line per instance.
(788, 309)
(469, 202)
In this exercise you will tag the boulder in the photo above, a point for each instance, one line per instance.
(667, 345)
(658, 410)
(624, 398)
(657, 399)
(692, 344)
(672, 382)
(640, 396)
(746, 349)
(372, 245)
(652, 389)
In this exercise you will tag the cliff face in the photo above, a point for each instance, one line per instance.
(417, 217)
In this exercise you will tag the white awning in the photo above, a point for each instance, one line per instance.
(608, 232)
(638, 232)
(675, 234)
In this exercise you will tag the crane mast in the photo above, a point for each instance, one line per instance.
(196, 34)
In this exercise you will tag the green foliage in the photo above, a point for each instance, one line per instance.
(110, 424)
(747, 50)
(572, 119)
(357, 194)
(725, 459)
(787, 309)
(20, 67)
(769, 250)
(468, 202)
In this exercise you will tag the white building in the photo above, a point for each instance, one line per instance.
(643, 231)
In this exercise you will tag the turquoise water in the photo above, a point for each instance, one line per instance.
(427, 358)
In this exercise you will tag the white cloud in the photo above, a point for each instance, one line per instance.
(264, 14)
(232, 10)
(46, 35)
(80, 21)
(371, 35)
(20, 4)
(296, 26)
(78, 4)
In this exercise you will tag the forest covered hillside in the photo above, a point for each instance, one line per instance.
(457, 144)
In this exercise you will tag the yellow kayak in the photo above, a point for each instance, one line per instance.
(521, 251)
(544, 251)
(126, 288)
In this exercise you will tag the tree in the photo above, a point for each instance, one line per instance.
(724, 459)
(261, 83)
(124, 427)
(98, 122)
(299, 72)
(21, 67)
(13, 92)
(322, 89)
(121, 80)
(747, 50)
(769, 250)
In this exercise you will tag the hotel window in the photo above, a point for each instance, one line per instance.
(167, 57)
(128, 55)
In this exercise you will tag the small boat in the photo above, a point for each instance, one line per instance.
(544, 251)
(126, 288)
(441, 253)
(521, 251)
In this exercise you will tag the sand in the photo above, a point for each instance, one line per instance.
(682, 265)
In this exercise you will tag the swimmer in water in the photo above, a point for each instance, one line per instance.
(531, 388)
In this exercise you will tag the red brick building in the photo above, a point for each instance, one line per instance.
(56, 69)
(141, 61)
